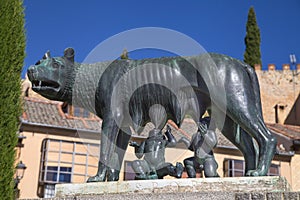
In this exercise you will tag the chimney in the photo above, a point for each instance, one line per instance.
(26, 87)
(285, 67)
(271, 67)
(298, 67)
(257, 67)
(280, 113)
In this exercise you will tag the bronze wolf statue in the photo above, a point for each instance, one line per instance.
(117, 91)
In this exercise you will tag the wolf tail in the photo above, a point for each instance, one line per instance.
(255, 85)
(256, 89)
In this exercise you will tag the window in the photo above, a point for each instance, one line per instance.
(59, 174)
(236, 168)
(66, 162)
(233, 168)
(86, 114)
(128, 171)
(76, 111)
(274, 170)
(80, 112)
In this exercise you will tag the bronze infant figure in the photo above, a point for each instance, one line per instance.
(154, 166)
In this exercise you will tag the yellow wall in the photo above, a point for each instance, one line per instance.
(31, 157)
(285, 171)
(295, 172)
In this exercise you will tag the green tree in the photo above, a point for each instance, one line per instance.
(252, 54)
(12, 54)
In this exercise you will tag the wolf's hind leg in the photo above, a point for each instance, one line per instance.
(253, 125)
(242, 140)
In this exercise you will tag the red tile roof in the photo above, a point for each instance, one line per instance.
(43, 112)
(290, 131)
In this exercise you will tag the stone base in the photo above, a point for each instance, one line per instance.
(221, 186)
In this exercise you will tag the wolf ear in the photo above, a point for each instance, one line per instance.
(47, 55)
(69, 53)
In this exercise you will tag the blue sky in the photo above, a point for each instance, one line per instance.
(218, 25)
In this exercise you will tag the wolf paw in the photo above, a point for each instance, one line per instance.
(113, 175)
(96, 178)
(179, 170)
(254, 173)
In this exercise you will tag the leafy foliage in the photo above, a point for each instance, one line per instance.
(12, 53)
(252, 53)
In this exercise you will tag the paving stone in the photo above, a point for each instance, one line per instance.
(242, 196)
(274, 195)
(290, 195)
(258, 196)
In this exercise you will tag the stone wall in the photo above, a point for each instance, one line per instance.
(278, 87)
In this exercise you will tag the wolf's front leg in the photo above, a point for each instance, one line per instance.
(109, 135)
(118, 155)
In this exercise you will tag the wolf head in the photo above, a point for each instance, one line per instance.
(54, 77)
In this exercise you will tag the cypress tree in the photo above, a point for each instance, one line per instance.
(252, 54)
(12, 54)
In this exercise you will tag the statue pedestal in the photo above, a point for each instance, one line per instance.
(177, 187)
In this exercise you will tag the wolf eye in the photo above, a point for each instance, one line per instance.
(55, 65)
